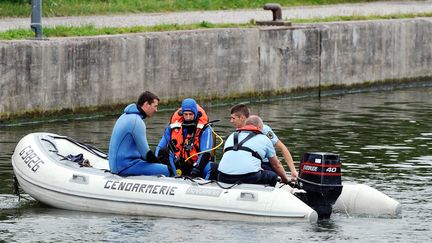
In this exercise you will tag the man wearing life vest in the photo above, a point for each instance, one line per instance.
(239, 113)
(244, 151)
(188, 141)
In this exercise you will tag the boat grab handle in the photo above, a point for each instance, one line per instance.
(81, 179)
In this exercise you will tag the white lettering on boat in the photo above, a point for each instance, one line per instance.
(140, 187)
(30, 158)
(310, 168)
(193, 190)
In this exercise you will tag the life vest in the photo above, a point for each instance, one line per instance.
(184, 148)
(253, 131)
(250, 128)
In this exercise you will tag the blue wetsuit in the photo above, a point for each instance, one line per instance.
(128, 146)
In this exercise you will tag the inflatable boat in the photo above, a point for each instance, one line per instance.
(45, 170)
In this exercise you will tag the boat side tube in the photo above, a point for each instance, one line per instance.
(359, 199)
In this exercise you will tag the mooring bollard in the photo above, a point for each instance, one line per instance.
(276, 10)
(277, 15)
(36, 18)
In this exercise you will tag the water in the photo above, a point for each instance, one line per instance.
(384, 140)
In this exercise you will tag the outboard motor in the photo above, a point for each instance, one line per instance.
(320, 177)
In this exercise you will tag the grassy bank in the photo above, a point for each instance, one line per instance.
(62, 31)
(359, 17)
(90, 30)
(51, 8)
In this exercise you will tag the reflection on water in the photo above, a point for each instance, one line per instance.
(384, 140)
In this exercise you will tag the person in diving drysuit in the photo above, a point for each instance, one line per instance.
(187, 142)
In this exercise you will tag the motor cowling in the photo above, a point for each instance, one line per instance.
(320, 176)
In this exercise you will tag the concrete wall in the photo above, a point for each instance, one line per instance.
(289, 59)
(353, 53)
(76, 73)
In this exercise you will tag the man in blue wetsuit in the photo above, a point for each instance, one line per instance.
(244, 151)
(239, 113)
(129, 152)
(188, 141)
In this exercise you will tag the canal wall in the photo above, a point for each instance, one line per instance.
(90, 73)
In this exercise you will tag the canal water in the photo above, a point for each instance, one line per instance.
(384, 140)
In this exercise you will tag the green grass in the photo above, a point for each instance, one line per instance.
(359, 17)
(51, 8)
(90, 30)
(13, 8)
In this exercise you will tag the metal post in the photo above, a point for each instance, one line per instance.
(276, 10)
(36, 18)
(277, 15)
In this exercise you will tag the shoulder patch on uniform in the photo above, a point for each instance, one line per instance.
(270, 135)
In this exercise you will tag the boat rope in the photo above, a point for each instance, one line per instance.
(210, 182)
(55, 149)
(16, 188)
(345, 208)
(291, 183)
(208, 150)
(92, 149)
(228, 187)
(17, 191)
(282, 185)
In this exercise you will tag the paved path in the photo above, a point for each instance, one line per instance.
(230, 16)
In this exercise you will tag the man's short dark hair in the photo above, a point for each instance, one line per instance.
(148, 97)
(240, 109)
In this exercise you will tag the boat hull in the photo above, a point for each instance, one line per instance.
(42, 172)
(63, 184)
